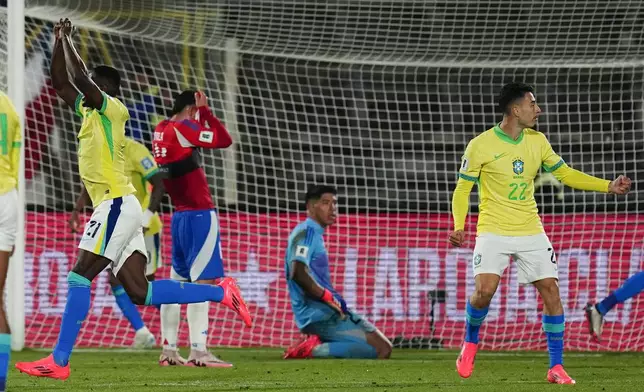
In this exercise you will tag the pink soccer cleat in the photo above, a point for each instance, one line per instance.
(303, 348)
(45, 367)
(557, 375)
(465, 361)
(171, 358)
(233, 299)
(206, 359)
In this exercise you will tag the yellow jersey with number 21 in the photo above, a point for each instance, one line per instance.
(101, 150)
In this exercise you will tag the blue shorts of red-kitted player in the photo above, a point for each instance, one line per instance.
(196, 246)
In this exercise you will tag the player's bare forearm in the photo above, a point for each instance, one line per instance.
(80, 74)
(59, 77)
(301, 276)
(57, 68)
(83, 200)
(158, 190)
(75, 63)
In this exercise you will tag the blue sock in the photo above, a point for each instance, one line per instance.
(128, 308)
(5, 353)
(630, 288)
(473, 320)
(345, 350)
(174, 292)
(76, 308)
(554, 327)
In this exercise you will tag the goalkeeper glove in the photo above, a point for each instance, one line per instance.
(335, 302)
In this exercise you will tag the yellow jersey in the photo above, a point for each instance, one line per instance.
(139, 167)
(504, 170)
(9, 145)
(101, 149)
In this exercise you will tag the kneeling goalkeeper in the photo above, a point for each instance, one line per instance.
(320, 312)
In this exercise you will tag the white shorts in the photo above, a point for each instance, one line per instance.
(534, 255)
(8, 220)
(153, 247)
(114, 231)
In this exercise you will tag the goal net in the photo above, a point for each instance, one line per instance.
(378, 98)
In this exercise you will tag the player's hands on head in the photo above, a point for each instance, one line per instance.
(620, 186)
(201, 99)
(74, 222)
(457, 238)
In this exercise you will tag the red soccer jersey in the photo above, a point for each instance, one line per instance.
(174, 147)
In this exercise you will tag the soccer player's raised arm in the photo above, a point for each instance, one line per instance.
(59, 77)
(468, 175)
(208, 131)
(93, 95)
(554, 164)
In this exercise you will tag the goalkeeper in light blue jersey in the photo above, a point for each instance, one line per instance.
(595, 312)
(320, 312)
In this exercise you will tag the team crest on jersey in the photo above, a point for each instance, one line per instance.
(477, 259)
(517, 166)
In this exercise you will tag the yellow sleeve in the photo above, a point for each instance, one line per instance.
(461, 202)
(550, 161)
(578, 180)
(554, 164)
(468, 174)
(114, 109)
(143, 161)
(471, 163)
(16, 145)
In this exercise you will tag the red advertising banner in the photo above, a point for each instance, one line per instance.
(396, 269)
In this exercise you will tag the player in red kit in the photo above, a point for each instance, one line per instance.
(196, 247)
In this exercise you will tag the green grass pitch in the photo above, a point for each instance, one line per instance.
(264, 370)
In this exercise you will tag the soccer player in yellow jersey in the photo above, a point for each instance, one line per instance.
(503, 161)
(113, 236)
(9, 164)
(142, 171)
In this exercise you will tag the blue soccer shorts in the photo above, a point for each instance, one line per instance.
(353, 328)
(196, 245)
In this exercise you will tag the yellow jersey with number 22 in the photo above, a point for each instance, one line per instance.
(505, 170)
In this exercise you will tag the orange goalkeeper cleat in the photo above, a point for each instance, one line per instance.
(233, 299)
(303, 348)
(557, 375)
(465, 361)
(45, 367)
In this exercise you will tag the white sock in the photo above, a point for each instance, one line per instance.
(198, 325)
(170, 318)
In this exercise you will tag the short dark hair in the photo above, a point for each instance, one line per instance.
(316, 191)
(186, 98)
(110, 74)
(510, 93)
